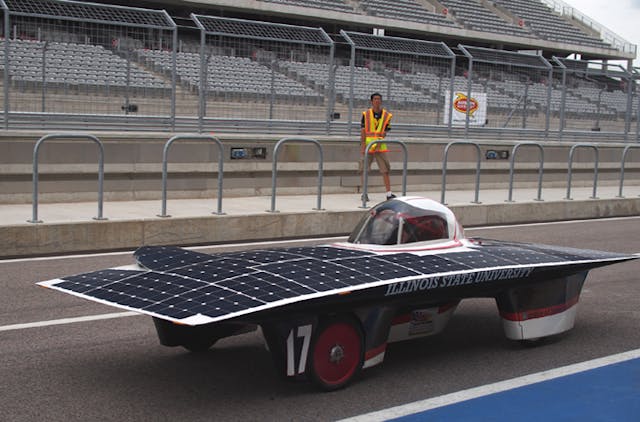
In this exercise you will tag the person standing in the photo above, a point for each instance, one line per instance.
(374, 125)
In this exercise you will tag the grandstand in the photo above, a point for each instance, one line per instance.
(285, 60)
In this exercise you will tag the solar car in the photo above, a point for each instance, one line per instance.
(327, 312)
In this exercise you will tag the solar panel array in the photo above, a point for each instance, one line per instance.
(180, 284)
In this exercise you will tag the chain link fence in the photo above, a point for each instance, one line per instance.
(86, 62)
(82, 58)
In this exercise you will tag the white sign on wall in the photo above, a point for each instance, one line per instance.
(477, 104)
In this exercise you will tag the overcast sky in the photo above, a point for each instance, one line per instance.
(620, 16)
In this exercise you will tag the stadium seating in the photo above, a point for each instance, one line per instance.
(474, 15)
(337, 5)
(547, 25)
(233, 77)
(408, 10)
(73, 65)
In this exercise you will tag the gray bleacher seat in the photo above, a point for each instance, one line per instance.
(337, 5)
(75, 64)
(548, 25)
(409, 10)
(474, 15)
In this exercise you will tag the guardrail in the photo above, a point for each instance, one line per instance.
(365, 168)
(444, 169)
(540, 168)
(274, 171)
(623, 164)
(165, 153)
(595, 169)
(622, 161)
(36, 150)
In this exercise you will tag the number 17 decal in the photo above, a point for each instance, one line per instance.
(304, 332)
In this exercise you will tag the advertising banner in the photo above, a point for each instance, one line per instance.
(477, 112)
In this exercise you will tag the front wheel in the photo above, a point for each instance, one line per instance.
(337, 353)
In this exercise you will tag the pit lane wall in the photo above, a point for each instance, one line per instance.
(133, 172)
(83, 236)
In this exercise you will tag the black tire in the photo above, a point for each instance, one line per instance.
(337, 353)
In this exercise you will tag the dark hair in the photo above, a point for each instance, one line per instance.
(376, 94)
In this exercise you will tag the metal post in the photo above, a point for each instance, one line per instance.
(274, 170)
(438, 99)
(36, 149)
(165, 154)
(524, 105)
(273, 89)
(331, 88)
(203, 82)
(512, 165)
(549, 87)
(7, 34)
(444, 168)
(627, 115)
(450, 100)
(174, 70)
(570, 168)
(563, 100)
(44, 77)
(365, 168)
(622, 161)
(468, 102)
(351, 82)
(126, 98)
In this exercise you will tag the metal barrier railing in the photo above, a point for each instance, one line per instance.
(274, 171)
(365, 168)
(165, 153)
(444, 169)
(595, 168)
(624, 158)
(512, 165)
(36, 149)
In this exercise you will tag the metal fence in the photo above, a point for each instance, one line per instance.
(64, 57)
(74, 64)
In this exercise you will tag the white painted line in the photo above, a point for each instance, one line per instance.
(553, 223)
(498, 387)
(67, 321)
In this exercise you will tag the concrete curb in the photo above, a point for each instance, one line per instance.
(93, 236)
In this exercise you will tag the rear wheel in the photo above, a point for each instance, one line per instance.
(337, 353)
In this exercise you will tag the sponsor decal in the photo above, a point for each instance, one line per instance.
(421, 322)
(461, 102)
(453, 280)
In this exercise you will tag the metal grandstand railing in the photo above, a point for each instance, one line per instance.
(607, 35)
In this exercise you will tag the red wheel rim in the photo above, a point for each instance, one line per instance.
(337, 352)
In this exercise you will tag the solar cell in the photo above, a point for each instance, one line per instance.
(518, 255)
(427, 264)
(477, 259)
(378, 268)
(165, 258)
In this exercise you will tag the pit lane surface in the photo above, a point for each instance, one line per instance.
(114, 369)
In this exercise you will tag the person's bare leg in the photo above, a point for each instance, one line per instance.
(387, 182)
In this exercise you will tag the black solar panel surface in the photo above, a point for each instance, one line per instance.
(180, 284)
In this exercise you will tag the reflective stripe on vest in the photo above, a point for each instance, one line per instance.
(373, 129)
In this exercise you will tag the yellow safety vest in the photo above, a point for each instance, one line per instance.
(373, 129)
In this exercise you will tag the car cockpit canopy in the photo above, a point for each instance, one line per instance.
(406, 220)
